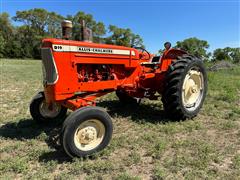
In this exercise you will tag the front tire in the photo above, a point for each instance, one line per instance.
(185, 88)
(86, 131)
(41, 113)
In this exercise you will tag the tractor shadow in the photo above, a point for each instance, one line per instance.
(28, 129)
(50, 132)
(143, 112)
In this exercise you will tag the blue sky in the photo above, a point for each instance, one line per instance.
(157, 21)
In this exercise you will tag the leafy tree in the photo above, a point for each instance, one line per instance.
(38, 23)
(6, 32)
(123, 37)
(41, 21)
(33, 18)
(6, 27)
(16, 45)
(195, 47)
(221, 54)
(54, 25)
(235, 55)
(24, 41)
(229, 54)
(2, 46)
(136, 40)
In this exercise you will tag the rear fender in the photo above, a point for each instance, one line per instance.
(167, 57)
(173, 54)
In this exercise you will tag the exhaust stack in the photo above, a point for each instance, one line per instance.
(66, 29)
(86, 33)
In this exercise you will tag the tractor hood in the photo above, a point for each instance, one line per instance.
(59, 45)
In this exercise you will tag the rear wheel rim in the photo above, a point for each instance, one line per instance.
(49, 111)
(89, 135)
(192, 89)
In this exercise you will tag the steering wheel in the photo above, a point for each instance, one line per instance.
(143, 50)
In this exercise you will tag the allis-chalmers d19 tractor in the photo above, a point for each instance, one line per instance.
(75, 73)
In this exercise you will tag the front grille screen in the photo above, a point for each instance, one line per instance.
(50, 74)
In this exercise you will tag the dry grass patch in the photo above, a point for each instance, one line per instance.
(145, 144)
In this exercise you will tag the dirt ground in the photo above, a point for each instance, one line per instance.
(145, 143)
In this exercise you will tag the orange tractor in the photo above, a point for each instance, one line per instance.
(75, 73)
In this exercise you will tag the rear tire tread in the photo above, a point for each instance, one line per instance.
(171, 97)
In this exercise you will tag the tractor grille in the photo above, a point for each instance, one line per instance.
(50, 75)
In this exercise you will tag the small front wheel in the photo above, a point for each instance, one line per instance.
(42, 112)
(86, 131)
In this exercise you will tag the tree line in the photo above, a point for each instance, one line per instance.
(199, 49)
(24, 40)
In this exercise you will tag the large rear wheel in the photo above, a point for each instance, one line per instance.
(186, 87)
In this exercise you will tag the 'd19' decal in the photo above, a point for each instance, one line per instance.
(57, 47)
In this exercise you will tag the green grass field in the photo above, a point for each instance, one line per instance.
(145, 144)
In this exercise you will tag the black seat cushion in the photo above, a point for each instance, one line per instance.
(156, 59)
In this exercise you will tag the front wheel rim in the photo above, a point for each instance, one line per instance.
(192, 89)
(49, 111)
(89, 135)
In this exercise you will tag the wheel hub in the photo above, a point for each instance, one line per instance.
(49, 110)
(89, 134)
(192, 88)
(86, 135)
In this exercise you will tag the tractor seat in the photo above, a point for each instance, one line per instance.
(152, 63)
(155, 59)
